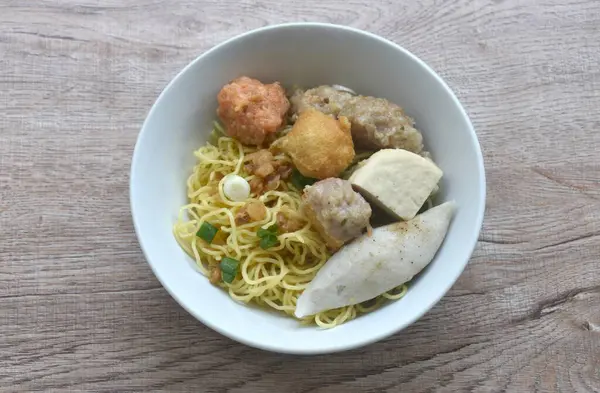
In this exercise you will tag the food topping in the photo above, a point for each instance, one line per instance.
(378, 123)
(215, 275)
(300, 181)
(320, 146)
(370, 266)
(288, 224)
(229, 269)
(267, 170)
(251, 212)
(268, 237)
(236, 188)
(252, 111)
(337, 211)
(397, 180)
(207, 232)
(327, 99)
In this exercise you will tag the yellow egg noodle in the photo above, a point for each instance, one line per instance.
(275, 277)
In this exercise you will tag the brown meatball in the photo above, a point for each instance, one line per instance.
(252, 111)
(337, 211)
(378, 124)
(320, 146)
(325, 99)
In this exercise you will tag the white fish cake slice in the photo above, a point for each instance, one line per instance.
(370, 266)
(397, 180)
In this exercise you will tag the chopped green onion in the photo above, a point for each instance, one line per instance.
(207, 232)
(268, 237)
(228, 278)
(300, 181)
(229, 265)
(268, 241)
(272, 230)
(263, 232)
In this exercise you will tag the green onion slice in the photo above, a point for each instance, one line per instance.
(228, 278)
(300, 181)
(263, 233)
(268, 242)
(229, 266)
(207, 232)
(268, 237)
(272, 230)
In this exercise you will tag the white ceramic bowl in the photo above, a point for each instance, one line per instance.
(307, 54)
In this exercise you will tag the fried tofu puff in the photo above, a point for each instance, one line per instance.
(319, 145)
(252, 111)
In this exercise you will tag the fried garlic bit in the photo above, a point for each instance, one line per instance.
(250, 212)
(267, 171)
(320, 146)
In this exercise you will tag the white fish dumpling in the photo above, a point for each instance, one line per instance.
(370, 266)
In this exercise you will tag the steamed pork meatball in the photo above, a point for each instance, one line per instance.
(338, 212)
(252, 111)
(325, 99)
(320, 146)
(378, 124)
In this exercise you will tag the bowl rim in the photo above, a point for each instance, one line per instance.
(367, 340)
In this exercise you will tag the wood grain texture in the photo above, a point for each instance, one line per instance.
(80, 309)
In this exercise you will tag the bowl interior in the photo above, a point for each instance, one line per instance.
(307, 55)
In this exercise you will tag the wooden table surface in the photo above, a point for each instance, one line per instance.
(80, 310)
